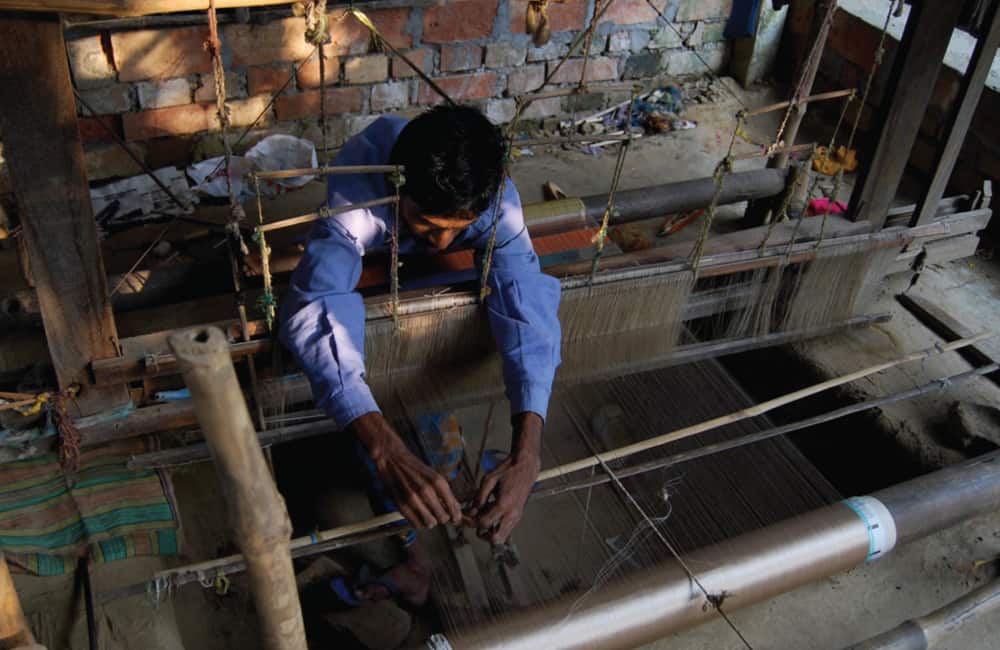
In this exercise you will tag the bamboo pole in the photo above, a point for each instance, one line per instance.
(14, 630)
(257, 513)
(770, 108)
(393, 522)
(326, 212)
(330, 170)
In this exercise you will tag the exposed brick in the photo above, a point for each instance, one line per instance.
(90, 64)
(264, 81)
(161, 152)
(111, 161)
(391, 23)
(620, 42)
(500, 111)
(599, 68)
(236, 87)
(366, 69)
(355, 124)
(160, 94)
(191, 118)
(91, 129)
(459, 87)
(390, 95)
(463, 20)
(278, 40)
(563, 17)
(585, 102)
(504, 54)
(109, 99)
(548, 52)
(642, 65)
(306, 104)
(542, 108)
(308, 74)
(526, 79)
(854, 39)
(687, 63)
(455, 58)
(704, 10)
(631, 12)
(160, 53)
(422, 58)
(665, 38)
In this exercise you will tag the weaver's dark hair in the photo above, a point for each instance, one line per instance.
(453, 157)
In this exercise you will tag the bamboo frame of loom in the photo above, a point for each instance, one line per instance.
(190, 573)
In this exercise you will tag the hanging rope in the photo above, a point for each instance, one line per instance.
(398, 180)
(317, 34)
(267, 302)
(602, 234)
(722, 170)
(838, 178)
(484, 288)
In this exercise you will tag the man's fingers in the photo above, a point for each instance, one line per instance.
(492, 516)
(427, 520)
(430, 497)
(486, 488)
(506, 528)
(448, 498)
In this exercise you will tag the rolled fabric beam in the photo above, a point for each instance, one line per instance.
(659, 200)
(257, 514)
(747, 569)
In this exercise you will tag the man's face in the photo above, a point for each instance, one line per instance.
(438, 231)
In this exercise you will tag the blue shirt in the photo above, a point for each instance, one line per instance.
(323, 316)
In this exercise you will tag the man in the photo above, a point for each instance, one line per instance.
(453, 159)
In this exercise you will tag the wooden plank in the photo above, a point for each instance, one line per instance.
(45, 157)
(948, 328)
(911, 82)
(128, 7)
(118, 370)
(958, 127)
(937, 251)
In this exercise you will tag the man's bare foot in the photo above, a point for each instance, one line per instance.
(411, 577)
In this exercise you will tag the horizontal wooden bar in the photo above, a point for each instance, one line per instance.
(330, 170)
(833, 94)
(326, 212)
(128, 7)
(767, 153)
(597, 137)
(118, 370)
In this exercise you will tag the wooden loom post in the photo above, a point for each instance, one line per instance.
(14, 630)
(257, 513)
(911, 82)
(968, 99)
(42, 144)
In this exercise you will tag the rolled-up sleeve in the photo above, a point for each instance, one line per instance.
(523, 309)
(323, 323)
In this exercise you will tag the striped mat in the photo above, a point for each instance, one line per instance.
(109, 511)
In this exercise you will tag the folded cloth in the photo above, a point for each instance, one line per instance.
(107, 510)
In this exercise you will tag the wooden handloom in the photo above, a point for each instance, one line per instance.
(86, 350)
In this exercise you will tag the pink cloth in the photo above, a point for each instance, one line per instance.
(825, 206)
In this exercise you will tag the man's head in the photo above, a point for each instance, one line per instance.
(453, 156)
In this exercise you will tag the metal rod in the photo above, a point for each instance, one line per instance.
(261, 528)
(749, 568)
(927, 631)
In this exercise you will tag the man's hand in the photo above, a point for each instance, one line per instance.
(500, 501)
(422, 495)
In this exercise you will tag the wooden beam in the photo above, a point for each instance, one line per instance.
(948, 328)
(42, 145)
(968, 100)
(911, 83)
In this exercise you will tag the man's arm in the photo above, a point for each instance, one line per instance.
(323, 325)
(523, 310)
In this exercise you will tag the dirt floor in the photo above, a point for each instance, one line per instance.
(833, 613)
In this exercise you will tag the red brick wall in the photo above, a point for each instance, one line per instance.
(154, 86)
